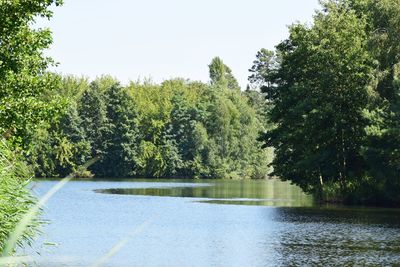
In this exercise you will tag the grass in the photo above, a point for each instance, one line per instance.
(15, 201)
(29, 217)
(29, 214)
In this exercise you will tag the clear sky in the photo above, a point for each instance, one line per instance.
(162, 39)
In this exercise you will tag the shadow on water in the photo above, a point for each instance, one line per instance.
(340, 214)
(327, 236)
(260, 193)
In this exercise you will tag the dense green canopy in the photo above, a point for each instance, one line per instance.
(178, 128)
(23, 69)
(334, 89)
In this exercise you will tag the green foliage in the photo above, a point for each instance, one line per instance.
(334, 93)
(176, 129)
(195, 131)
(61, 146)
(221, 75)
(381, 150)
(26, 104)
(266, 62)
(23, 76)
(92, 109)
(15, 198)
(122, 134)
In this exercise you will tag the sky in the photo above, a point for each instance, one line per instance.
(163, 39)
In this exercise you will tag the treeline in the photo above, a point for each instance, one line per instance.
(177, 129)
(334, 88)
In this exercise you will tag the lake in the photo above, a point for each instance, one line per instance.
(208, 223)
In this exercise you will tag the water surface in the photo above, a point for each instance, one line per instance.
(188, 223)
(261, 192)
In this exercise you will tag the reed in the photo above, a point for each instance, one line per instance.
(15, 201)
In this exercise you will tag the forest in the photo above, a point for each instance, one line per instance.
(322, 110)
(177, 129)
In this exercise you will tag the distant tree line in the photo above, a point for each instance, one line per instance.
(179, 128)
(334, 91)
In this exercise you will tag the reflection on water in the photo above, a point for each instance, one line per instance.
(281, 228)
(339, 236)
(340, 215)
(263, 193)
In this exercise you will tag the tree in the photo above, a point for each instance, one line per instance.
(23, 70)
(381, 150)
(60, 146)
(176, 129)
(189, 129)
(92, 110)
(122, 138)
(221, 75)
(319, 92)
(180, 133)
(266, 62)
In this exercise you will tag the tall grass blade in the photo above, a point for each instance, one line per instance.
(33, 211)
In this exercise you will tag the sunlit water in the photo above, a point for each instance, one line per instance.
(209, 223)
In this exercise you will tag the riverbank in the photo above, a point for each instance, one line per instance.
(362, 196)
